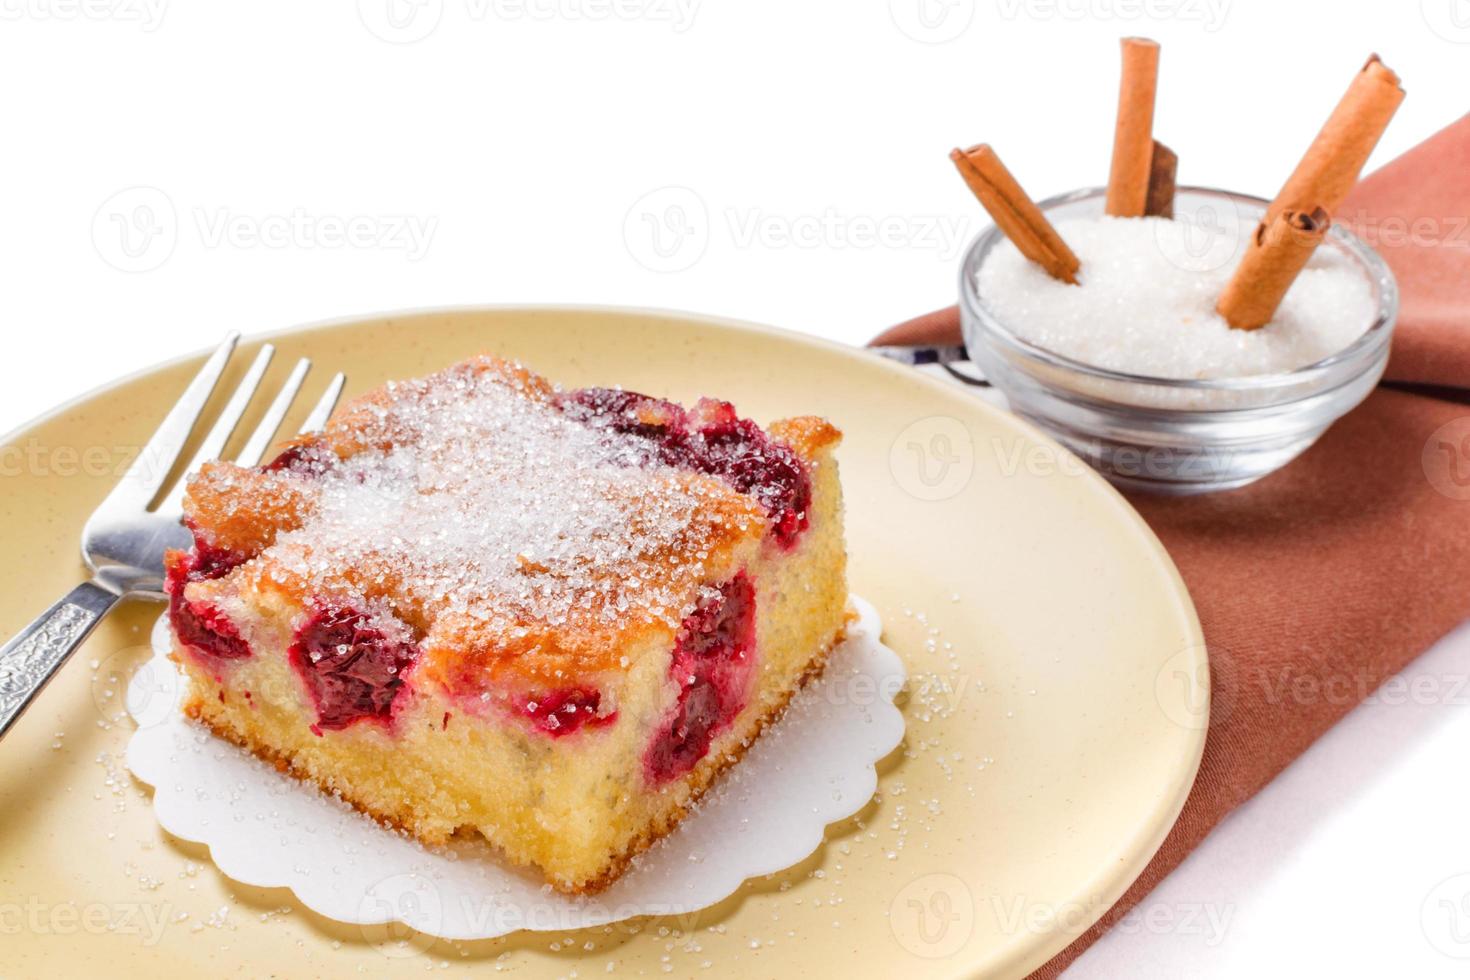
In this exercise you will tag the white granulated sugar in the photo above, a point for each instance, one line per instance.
(1145, 302)
(493, 504)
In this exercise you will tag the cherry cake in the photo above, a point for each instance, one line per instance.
(477, 603)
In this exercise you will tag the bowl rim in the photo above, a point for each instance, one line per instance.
(1353, 360)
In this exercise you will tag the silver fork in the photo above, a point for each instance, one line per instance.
(124, 540)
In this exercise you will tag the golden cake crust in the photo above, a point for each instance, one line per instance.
(809, 435)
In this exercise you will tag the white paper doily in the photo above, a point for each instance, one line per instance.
(814, 767)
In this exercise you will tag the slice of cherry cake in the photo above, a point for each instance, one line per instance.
(477, 603)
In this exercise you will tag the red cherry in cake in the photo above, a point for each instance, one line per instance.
(208, 562)
(713, 659)
(352, 668)
(199, 626)
(687, 739)
(203, 630)
(659, 421)
(559, 713)
(712, 439)
(740, 452)
(719, 626)
(303, 459)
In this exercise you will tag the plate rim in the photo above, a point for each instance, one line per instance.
(1130, 856)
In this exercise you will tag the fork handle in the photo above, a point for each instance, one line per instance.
(37, 652)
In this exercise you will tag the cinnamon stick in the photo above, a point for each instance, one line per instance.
(1161, 180)
(1276, 256)
(1014, 213)
(1133, 145)
(1337, 156)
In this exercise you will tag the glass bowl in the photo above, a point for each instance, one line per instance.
(1173, 435)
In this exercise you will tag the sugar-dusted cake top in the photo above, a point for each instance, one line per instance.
(508, 524)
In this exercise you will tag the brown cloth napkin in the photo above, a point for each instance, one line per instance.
(1320, 581)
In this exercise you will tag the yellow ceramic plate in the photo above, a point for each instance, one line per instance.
(1054, 713)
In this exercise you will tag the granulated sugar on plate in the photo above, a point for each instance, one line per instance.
(1145, 302)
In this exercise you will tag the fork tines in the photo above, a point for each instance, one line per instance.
(146, 476)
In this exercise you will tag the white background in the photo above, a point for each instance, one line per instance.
(174, 170)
